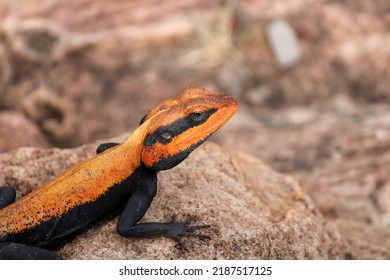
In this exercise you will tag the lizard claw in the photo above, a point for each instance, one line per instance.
(178, 229)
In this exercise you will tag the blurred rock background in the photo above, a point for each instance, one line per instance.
(314, 93)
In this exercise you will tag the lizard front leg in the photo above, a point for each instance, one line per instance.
(137, 206)
(104, 146)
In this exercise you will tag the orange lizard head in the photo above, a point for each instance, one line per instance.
(176, 127)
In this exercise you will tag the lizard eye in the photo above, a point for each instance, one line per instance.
(165, 138)
(197, 116)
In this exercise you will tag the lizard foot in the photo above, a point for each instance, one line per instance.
(179, 229)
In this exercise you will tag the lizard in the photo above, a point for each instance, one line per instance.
(120, 178)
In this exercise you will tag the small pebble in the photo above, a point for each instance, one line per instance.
(284, 43)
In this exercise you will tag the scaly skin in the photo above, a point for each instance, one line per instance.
(121, 177)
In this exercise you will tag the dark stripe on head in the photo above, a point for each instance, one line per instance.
(169, 162)
(177, 127)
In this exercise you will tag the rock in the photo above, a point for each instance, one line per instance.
(17, 131)
(357, 184)
(354, 189)
(254, 212)
(36, 39)
(89, 61)
(109, 84)
(364, 241)
(284, 43)
(5, 69)
(341, 160)
(53, 112)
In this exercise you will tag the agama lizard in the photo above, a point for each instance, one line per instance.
(121, 178)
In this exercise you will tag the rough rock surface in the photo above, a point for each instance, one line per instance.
(254, 212)
(16, 131)
(341, 160)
